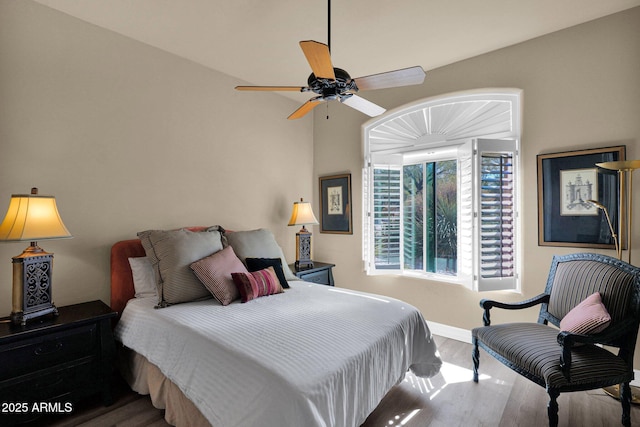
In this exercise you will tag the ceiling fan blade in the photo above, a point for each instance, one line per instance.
(319, 59)
(272, 88)
(362, 105)
(305, 108)
(404, 77)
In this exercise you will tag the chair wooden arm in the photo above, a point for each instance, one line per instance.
(488, 304)
(609, 336)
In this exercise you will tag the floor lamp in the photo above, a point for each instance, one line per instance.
(625, 170)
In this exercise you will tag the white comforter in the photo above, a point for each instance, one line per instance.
(312, 356)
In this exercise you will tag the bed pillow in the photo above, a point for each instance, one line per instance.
(258, 243)
(257, 284)
(215, 271)
(588, 317)
(144, 283)
(171, 252)
(255, 264)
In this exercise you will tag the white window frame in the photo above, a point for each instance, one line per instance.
(430, 130)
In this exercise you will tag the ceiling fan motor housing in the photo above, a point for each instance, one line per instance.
(331, 89)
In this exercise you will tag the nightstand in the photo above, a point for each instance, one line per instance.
(55, 361)
(321, 273)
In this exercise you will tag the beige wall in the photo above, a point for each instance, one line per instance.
(581, 90)
(128, 137)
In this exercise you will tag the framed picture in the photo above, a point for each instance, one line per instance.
(566, 183)
(335, 204)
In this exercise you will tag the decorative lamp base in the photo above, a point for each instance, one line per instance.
(303, 249)
(32, 285)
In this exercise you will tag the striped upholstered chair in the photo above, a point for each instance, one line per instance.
(564, 361)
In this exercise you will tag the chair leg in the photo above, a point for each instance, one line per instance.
(552, 407)
(475, 355)
(625, 399)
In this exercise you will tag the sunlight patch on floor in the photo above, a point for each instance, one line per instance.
(457, 374)
(449, 374)
(403, 419)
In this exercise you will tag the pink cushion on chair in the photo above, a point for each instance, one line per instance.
(588, 317)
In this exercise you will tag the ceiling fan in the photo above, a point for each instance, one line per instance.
(331, 83)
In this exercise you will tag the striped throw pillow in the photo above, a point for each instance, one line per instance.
(588, 317)
(257, 284)
(170, 253)
(215, 271)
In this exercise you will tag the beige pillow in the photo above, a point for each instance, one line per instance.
(171, 252)
(215, 271)
(258, 243)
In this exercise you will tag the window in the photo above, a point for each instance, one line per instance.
(443, 205)
(429, 221)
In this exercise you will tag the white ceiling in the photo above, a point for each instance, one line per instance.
(257, 40)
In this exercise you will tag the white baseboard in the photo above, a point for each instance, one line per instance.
(452, 332)
(464, 335)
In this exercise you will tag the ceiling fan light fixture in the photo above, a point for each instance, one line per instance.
(332, 83)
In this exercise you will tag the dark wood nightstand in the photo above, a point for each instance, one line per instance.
(55, 361)
(321, 273)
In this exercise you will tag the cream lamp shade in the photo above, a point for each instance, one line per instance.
(32, 217)
(302, 214)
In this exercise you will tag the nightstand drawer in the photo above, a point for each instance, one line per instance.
(47, 387)
(21, 357)
(321, 273)
(321, 277)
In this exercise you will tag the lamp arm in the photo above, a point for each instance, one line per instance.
(613, 233)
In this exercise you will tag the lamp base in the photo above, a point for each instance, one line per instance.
(303, 249)
(21, 318)
(32, 285)
(614, 391)
(303, 265)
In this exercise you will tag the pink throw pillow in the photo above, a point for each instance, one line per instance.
(257, 284)
(215, 271)
(588, 317)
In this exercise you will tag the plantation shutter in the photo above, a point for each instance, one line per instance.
(387, 218)
(383, 216)
(496, 215)
(465, 207)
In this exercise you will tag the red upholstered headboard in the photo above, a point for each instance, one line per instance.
(121, 277)
(122, 289)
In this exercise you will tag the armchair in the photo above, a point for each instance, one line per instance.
(564, 361)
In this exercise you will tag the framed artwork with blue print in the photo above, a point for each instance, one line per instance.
(568, 185)
(335, 204)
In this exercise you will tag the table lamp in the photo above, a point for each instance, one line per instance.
(32, 217)
(303, 215)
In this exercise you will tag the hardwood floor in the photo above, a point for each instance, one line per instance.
(451, 398)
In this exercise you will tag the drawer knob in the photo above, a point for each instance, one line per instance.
(42, 351)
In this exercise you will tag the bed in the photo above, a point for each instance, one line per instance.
(309, 355)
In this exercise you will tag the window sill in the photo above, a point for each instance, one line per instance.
(454, 280)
